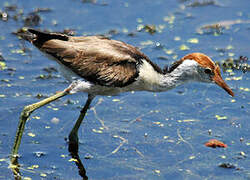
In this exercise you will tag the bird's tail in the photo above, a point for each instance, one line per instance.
(38, 38)
(24, 33)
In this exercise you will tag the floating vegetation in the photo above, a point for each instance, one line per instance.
(33, 167)
(150, 28)
(157, 171)
(95, 2)
(146, 43)
(31, 134)
(202, 3)
(2, 65)
(70, 32)
(112, 32)
(227, 166)
(2, 95)
(47, 76)
(20, 31)
(210, 28)
(214, 143)
(39, 96)
(193, 40)
(97, 131)
(9, 7)
(39, 154)
(240, 63)
(37, 10)
(1, 57)
(4, 16)
(33, 19)
(50, 69)
(90, 1)
(168, 51)
(170, 19)
(241, 155)
(218, 27)
(244, 89)
(13, 12)
(177, 38)
(218, 117)
(184, 47)
(88, 156)
(55, 120)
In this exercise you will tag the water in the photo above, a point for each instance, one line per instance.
(135, 135)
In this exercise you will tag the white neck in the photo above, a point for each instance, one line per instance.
(156, 82)
(185, 72)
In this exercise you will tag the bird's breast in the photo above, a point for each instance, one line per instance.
(149, 79)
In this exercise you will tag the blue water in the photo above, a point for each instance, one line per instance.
(138, 135)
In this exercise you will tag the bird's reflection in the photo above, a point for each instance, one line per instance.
(73, 150)
(73, 138)
(78, 162)
(73, 144)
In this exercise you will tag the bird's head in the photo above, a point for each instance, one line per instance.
(206, 70)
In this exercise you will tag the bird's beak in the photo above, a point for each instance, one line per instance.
(219, 81)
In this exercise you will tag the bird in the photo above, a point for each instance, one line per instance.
(97, 65)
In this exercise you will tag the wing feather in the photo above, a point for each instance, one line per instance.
(98, 60)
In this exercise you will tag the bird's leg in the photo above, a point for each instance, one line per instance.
(73, 136)
(25, 115)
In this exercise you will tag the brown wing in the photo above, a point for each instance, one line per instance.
(97, 59)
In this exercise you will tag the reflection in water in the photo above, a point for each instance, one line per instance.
(73, 137)
(73, 142)
(80, 166)
(73, 150)
(15, 166)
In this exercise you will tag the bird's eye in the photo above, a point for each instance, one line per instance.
(208, 71)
